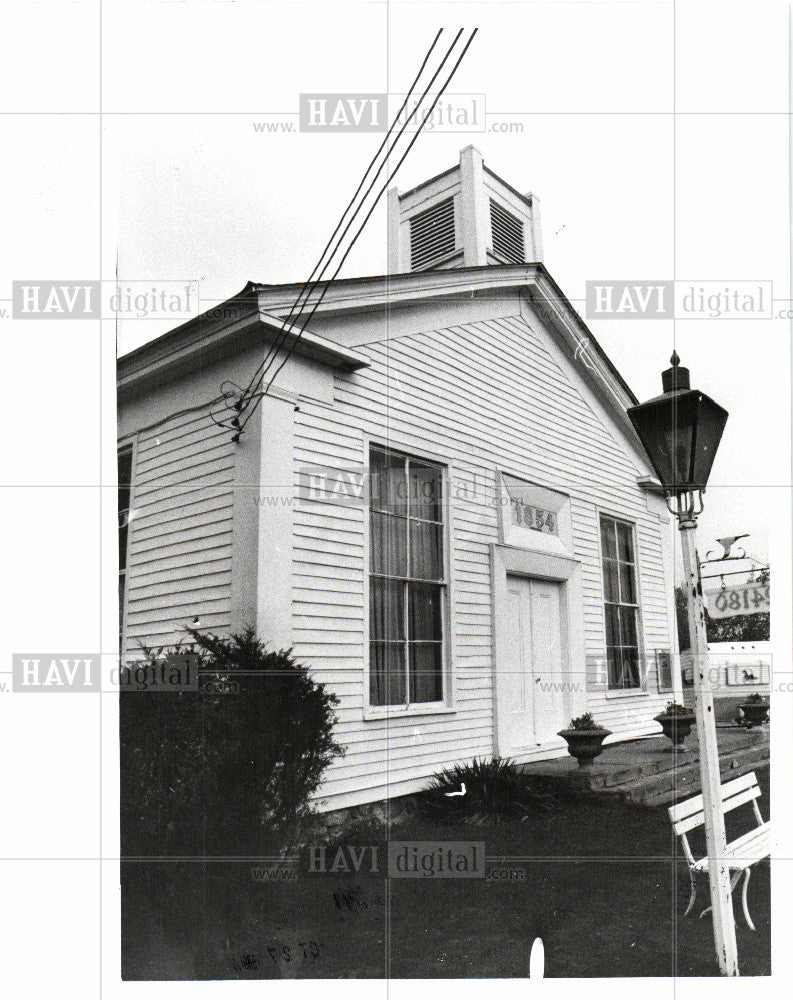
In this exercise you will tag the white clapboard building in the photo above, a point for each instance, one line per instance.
(440, 503)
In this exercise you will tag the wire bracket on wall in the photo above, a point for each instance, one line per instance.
(228, 417)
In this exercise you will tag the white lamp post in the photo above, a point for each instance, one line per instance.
(681, 430)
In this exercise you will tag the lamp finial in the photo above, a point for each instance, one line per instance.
(675, 378)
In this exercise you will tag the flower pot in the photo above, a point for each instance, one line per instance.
(585, 744)
(676, 727)
(754, 713)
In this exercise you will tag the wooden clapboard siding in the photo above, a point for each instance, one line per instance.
(482, 397)
(180, 550)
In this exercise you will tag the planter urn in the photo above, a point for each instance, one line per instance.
(585, 744)
(754, 713)
(676, 727)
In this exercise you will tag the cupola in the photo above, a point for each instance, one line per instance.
(465, 217)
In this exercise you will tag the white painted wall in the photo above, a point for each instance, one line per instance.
(180, 547)
(483, 397)
(476, 384)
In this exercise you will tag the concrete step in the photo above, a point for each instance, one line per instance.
(607, 775)
(683, 781)
(644, 771)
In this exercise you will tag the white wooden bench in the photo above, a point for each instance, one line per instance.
(742, 853)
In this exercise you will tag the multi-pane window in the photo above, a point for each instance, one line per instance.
(622, 607)
(407, 583)
(124, 501)
(663, 665)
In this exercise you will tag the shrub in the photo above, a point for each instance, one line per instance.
(493, 789)
(224, 773)
(585, 723)
(755, 699)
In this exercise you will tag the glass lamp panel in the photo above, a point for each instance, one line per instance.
(676, 450)
(658, 425)
(680, 432)
(710, 427)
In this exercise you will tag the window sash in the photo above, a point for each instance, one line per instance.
(664, 671)
(621, 604)
(124, 502)
(407, 581)
(124, 459)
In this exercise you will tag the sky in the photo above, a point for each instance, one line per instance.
(657, 144)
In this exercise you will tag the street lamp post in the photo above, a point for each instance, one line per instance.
(681, 430)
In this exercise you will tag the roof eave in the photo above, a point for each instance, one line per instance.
(197, 343)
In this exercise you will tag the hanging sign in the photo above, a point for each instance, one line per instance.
(742, 599)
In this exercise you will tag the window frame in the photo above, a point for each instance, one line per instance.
(659, 655)
(448, 700)
(125, 445)
(641, 690)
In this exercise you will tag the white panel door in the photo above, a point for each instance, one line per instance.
(531, 692)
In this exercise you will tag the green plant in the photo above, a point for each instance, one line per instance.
(675, 708)
(585, 723)
(493, 788)
(226, 772)
(755, 699)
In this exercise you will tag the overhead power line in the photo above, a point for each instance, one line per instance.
(326, 283)
(243, 396)
(319, 267)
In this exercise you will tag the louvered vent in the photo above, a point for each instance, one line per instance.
(507, 234)
(432, 234)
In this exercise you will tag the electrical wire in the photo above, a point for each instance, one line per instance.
(244, 396)
(283, 336)
(314, 277)
(270, 358)
(360, 230)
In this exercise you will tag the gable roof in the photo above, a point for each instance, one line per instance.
(531, 281)
(261, 310)
(269, 300)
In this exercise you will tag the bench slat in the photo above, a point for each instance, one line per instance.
(746, 851)
(697, 819)
(695, 804)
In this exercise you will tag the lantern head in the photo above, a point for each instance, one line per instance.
(680, 430)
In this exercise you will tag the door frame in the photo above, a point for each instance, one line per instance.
(509, 560)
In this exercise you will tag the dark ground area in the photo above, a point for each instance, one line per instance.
(604, 886)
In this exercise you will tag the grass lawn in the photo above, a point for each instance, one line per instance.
(604, 886)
